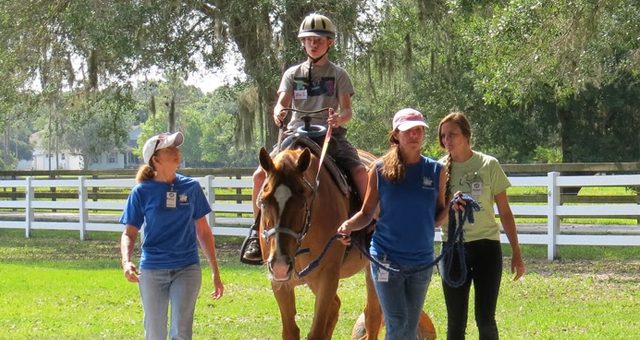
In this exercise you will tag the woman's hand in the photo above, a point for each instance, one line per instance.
(218, 288)
(345, 233)
(457, 202)
(131, 272)
(517, 266)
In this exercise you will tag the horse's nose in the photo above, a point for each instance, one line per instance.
(280, 268)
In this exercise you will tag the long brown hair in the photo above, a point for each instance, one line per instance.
(461, 120)
(393, 167)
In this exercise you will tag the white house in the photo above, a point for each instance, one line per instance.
(68, 160)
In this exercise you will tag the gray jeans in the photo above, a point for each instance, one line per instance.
(161, 287)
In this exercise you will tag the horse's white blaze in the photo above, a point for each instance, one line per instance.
(282, 195)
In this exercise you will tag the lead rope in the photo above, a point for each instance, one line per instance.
(313, 264)
(450, 249)
(453, 250)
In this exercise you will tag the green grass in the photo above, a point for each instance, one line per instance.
(57, 287)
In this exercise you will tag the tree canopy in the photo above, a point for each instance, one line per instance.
(541, 80)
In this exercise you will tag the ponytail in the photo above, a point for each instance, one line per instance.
(393, 167)
(447, 165)
(145, 172)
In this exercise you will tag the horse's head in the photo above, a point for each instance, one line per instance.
(285, 203)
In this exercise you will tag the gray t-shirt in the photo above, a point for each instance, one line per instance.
(323, 89)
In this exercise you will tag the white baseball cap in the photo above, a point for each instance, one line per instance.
(405, 119)
(161, 141)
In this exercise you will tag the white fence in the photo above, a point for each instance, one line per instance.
(102, 215)
(233, 217)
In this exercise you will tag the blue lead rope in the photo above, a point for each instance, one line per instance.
(313, 264)
(454, 264)
(455, 246)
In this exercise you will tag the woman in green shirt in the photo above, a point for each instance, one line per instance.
(481, 177)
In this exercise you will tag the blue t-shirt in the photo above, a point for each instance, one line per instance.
(405, 230)
(169, 234)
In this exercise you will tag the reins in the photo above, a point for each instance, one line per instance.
(454, 248)
(313, 264)
(300, 236)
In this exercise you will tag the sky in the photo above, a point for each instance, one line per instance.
(208, 81)
(230, 73)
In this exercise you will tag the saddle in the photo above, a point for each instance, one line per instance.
(362, 236)
(298, 140)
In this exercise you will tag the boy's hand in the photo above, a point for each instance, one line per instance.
(279, 117)
(334, 119)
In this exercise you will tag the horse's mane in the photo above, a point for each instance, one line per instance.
(286, 159)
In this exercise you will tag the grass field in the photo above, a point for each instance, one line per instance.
(54, 286)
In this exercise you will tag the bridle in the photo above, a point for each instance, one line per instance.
(278, 229)
(298, 236)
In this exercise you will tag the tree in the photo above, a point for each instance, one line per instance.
(100, 122)
(579, 60)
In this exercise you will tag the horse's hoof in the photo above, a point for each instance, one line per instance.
(359, 332)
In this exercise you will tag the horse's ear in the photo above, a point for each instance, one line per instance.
(304, 160)
(265, 160)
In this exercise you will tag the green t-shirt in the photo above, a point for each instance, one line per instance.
(481, 177)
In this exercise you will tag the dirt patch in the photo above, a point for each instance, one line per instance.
(601, 270)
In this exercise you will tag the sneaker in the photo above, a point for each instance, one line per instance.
(252, 252)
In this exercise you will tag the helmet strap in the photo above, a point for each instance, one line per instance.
(315, 60)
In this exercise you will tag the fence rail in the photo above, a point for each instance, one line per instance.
(88, 204)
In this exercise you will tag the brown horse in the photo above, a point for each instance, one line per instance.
(299, 218)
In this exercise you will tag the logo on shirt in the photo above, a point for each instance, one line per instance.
(303, 88)
(427, 183)
(183, 198)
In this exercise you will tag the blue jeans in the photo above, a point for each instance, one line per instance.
(402, 298)
(158, 288)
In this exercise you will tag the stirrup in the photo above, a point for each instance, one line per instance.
(252, 237)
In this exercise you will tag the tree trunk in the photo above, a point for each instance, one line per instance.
(172, 114)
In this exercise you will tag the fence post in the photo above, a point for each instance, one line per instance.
(28, 210)
(553, 222)
(211, 196)
(638, 201)
(14, 193)
(82, 208)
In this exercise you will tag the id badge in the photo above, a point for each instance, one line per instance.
(300, 94)
(383, 274)
(171, 199)
(476, 190)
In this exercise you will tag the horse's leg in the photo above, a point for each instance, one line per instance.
(426, 329)
(372, 310)
(285, 296)
(327, 303)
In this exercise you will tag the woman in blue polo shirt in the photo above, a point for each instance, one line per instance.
(172, 208)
